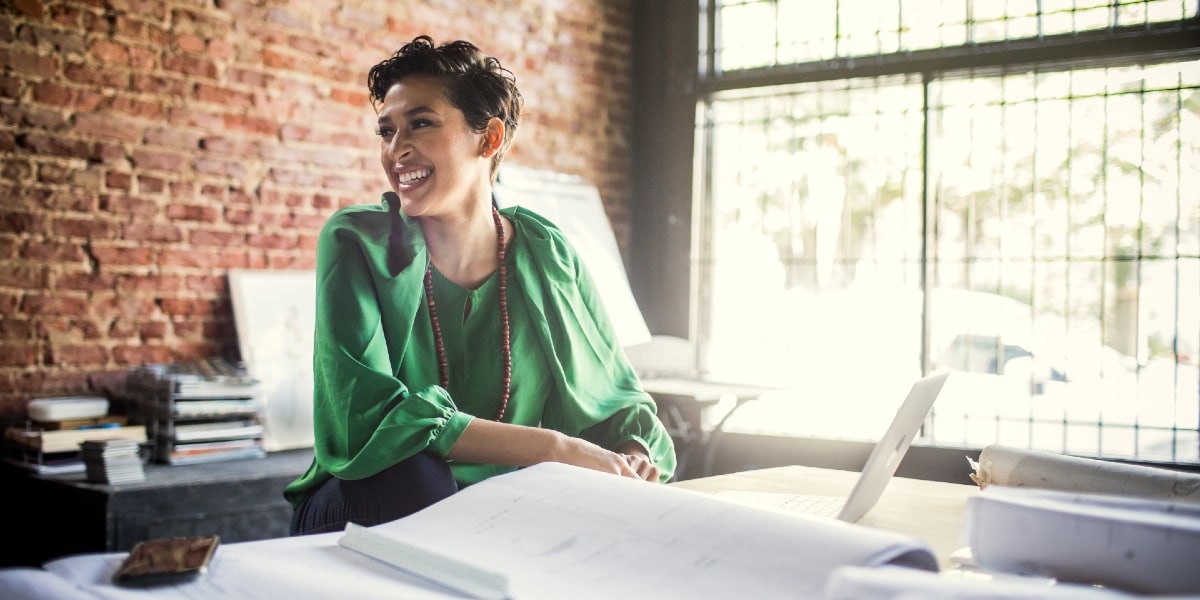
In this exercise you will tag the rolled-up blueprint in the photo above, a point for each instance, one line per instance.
(1016, 467)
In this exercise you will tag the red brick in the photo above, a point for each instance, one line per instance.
(122, 204)
(107, 255)
(109, 52)
(64, 199)
(24, 276)
(16, 329)
(252, 124)
(18, 355)
(109, 153)
(223, 96)
(81, 227)
(220, 50)
(233, 169)
(152, 83)
(123, 328)
(102, 76)
(142, 59)
(186, 117)
(16, 170)
(67, 97)
(198, 66)
(34, 116)
(150, 283)
(353, 98)
(153, 330)
(187, 258)
(48, 145)
(151, 185)
(9, 303)
(172, 137)
(239, 216)
(129, 105)
(271, 241)
(20, 222)
(192, 212)
(58, 304)
(118, 181)
(53, 173)
(77, 355)
(84, 282)
(203, 237)
(51, 251)
(186, 307)
(145, 158)
(29, 63)
(142, 355)
(226, 146)
(107, 126)
(151, 232)
(190, 42)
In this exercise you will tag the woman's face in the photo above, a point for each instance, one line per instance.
(433, 160)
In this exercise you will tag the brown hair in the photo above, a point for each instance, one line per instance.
(475, 83)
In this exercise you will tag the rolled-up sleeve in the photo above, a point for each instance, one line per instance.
(365, 418)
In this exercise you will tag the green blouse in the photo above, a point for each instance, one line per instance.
(376, 396)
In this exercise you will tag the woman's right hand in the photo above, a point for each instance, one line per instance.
(582, 453)
(486, 441)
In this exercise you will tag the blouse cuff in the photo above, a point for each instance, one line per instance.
(449, 434)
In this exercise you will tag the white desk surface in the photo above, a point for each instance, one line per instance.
(931, 511)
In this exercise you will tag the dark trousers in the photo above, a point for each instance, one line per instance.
(398, 491)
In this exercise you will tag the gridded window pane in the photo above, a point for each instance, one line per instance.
(816, 213)
(763, 33)
(1082, 241)
(1058, 274)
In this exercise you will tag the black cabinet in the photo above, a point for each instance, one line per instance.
(47, 517)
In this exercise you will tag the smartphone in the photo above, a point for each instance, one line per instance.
(167, 560)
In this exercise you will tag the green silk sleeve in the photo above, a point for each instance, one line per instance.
(364, 417)
(599, 395)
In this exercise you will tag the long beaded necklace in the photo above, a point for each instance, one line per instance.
(506, 346)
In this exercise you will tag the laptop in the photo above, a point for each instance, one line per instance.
(877, 472)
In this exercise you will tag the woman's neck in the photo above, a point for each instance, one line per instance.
(462, 246)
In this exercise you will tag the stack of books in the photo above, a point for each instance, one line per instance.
(198, 412)
(113, 461)
(49, 444)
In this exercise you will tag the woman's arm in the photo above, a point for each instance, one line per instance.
(520, 446)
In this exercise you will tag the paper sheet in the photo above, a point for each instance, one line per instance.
(564, 532)
(1002, 465)
(1134, 544)
(295, 567)
(888, 583)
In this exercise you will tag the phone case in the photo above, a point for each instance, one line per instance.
(167, 560)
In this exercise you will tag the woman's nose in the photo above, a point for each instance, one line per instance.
(399, 147)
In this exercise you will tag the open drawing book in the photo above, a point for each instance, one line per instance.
(557, 531)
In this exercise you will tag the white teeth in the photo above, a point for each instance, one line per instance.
(411, 176)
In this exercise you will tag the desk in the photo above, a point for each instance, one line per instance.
(931, 511)
(694, 412)
(239, 500)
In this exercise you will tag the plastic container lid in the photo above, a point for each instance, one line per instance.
(64, 409)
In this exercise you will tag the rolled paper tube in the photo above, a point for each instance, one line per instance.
(1016, 467)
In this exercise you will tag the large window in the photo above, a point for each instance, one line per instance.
(991, 196)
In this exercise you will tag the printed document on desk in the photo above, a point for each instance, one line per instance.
(1135, 544)
(557, 531)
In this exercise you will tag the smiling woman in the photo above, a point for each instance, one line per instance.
(455, 341)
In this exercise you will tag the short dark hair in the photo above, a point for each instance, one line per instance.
(475, 83)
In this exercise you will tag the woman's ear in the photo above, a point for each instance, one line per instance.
(493, 138)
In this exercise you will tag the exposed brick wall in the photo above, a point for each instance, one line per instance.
(149, 146)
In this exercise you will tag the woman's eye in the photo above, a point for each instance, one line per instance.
(385, 132)
(419, 123)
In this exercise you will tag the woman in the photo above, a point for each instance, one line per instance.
(455, 341)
